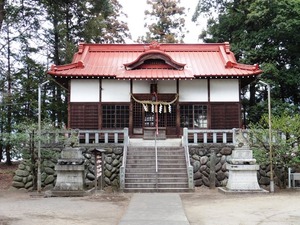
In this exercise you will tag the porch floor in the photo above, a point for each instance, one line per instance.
(170, 142)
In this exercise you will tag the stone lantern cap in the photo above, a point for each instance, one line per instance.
(98, 151)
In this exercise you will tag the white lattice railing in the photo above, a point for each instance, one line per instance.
(209, 136)
(86, 137)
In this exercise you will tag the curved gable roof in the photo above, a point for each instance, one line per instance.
(129, 61)
(154, 53)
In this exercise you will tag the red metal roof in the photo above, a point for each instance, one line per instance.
(125, 61)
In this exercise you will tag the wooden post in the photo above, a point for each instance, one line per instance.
(98, 152)
(95, 171)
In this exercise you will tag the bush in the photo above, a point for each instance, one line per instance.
(284, 145)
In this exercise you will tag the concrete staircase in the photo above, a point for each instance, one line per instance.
(140, 171)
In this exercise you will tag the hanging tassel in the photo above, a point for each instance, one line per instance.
(145, 107)
(165, 109)
(160, 108)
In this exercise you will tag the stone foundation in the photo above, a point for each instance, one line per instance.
(242, 177)
(209, 164)
(200, 156)
(24, 177)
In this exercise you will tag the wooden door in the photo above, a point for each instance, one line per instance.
(145, 117)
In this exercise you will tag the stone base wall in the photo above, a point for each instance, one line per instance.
(24, 177)
(209, 164)
(208, 161)
(111, 168)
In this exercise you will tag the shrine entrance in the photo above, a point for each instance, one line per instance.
(152, 113)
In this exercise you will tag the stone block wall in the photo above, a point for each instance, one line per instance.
(209, 164)
(111, 169)
(208, 161)
(24, 176)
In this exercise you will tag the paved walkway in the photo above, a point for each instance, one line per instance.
(155, 209)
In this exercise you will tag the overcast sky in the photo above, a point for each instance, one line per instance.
(135, 12)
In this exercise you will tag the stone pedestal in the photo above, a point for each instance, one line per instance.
(242, 169)
(242, 177)
(70, 173)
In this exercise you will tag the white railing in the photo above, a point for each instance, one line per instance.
(101, 136)
(209, 136)
(86, 137)
(156, 158)
(229, 136)
(190, 172)
(122, 168)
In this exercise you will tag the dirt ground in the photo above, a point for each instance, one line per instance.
(210, 207)
(6, 175)
(202, 207)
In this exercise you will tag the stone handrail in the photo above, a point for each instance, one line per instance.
(209, 136)
(123, 166)
(97, 135)
(190, 172)
(226, 136)
(85, 137)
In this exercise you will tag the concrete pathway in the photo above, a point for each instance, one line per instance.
(155, 209)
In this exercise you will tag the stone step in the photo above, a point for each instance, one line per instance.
(152, 161)
(159, 155)
(153, 153)
(160, 175)
(140, 161)
(140, 175)
(152, 148)
(171, 165)
(162, 190)
(139, 165)
(159, 180)
(158, 185)
(138, 142)
(172, 170)
(152, 170)
(160, 165)
(141, 157)
(171, 160)
(140, 170)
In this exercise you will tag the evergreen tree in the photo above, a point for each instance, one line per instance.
(2, 12)
(35, 34)
(74, 21)
(165, 22)
(17, 49)
(261, 32)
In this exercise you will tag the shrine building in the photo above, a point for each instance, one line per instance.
(147, 87)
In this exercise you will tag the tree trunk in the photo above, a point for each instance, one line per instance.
(1, 151)
(2, 12)
(8, 156)
(33, 160)
(252, 99)
(9, 102)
